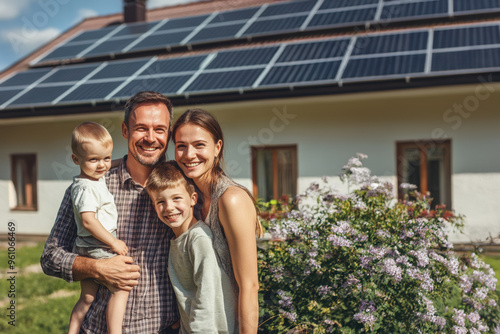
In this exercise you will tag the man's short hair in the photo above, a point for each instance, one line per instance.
(86, 132)
(147, 97)
(168, 175)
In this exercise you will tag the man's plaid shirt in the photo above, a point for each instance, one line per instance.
(151, 305)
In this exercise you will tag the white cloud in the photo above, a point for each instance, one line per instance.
(11, 9)
(163, 3)
(25, 40)
(85, 13)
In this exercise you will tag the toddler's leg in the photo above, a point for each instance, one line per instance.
(116, 311)
(87, 296)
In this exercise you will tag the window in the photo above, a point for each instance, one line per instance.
(274, 171)
(24, 180)
(426, 164)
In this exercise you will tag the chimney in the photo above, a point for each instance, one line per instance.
(134, 11)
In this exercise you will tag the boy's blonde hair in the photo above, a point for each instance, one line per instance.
(168, 175)
(86, 132)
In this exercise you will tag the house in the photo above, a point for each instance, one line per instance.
(298, 87)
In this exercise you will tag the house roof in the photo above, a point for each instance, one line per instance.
(257, 49)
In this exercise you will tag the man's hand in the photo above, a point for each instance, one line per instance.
(119, 272)
(119, 247)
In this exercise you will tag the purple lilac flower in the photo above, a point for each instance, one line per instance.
(350, 281)
(392, 269)
(459, 317)
(365, 261)
(481, 293)
(378, 252)
(383, 233)
(403, 260)
(324, 290)
(365, 314)
(482, 327)
(277, 272)
(465, 282)
(475, 262)
(496, 330)
(459, 330)
(474, 331)
(473, 317)
(289, 315)
(422, 258)
(338, 241)
(342, 227)
(285, 301)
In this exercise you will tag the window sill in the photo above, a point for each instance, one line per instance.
(23, 209)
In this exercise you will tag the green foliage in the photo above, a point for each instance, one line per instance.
(364, 262)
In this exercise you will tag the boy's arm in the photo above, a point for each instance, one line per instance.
(207, 277)
(58, 259)
(94, 226)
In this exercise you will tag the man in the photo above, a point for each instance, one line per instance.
(151, 306)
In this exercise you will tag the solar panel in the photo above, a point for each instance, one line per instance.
(156, 41)
(388, 43)
(92, 35)
(119, 69)
(165, 85)
(274, 25)
(184, 22)
(346, 3)
(66, 52)
(475, 5)
(217, 32)
(135, 29)
(70, 73)
(468, 59)
(415, 9)
(225, 80)
(342, 17)
(314, 50)
(175, 65)
(384, 66)
(246, 57)
(457, 37)
(288, 8)
(234, 15)
(40, 95)
(7, 94)
(110, 46)
(301, 73)
(25, 78)
(92, 91)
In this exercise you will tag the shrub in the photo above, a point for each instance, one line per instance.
(364, 262)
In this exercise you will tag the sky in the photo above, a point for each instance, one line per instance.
(26, 25)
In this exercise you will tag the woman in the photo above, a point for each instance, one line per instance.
(227, 208)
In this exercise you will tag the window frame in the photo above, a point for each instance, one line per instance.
(273, 149)
(31, 188)
(423, 146)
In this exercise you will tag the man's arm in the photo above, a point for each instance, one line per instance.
(59, 261)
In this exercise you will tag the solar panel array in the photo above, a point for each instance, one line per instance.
(262, 20)
(428, 52)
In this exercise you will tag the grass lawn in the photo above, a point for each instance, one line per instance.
(43, 304)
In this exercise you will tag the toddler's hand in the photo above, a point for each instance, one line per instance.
(119, 247)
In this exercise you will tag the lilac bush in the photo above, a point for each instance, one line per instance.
(365, 262)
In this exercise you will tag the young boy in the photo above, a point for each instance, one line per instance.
(96, 219)
(204, 293)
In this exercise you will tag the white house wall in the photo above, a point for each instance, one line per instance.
(327, 131)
